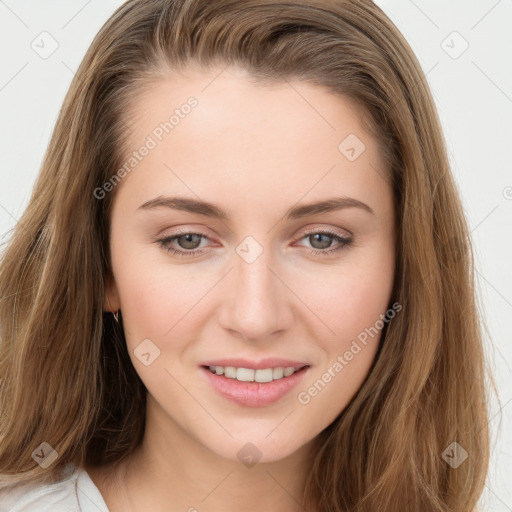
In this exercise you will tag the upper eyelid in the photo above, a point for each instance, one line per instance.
(308, 231)
(330, 231)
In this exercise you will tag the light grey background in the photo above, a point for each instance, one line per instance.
(472, 88)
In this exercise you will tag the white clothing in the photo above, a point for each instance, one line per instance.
(76, 492)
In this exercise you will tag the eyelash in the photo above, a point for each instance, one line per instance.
(344, 242)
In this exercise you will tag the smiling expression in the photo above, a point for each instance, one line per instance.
(249, 237)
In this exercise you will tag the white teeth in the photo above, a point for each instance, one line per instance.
(244, 374)
(278, 373)
(263, 375)
(250, 375)
(288, 371)
(230, 372)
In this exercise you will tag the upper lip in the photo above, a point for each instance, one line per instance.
(270, 362)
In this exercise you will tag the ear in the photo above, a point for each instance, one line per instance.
(111, 298)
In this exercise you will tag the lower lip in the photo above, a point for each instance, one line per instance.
(254, 394)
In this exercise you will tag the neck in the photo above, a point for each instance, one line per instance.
(172, 471)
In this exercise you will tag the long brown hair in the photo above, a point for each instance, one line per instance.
(65, 376)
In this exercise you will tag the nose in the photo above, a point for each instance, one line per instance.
(256, 303)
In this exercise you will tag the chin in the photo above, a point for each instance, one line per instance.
(256, 446)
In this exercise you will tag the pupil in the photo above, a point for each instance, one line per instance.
(189, 239)
(326, 242)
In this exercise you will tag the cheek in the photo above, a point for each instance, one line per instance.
(158, 309)
(154, 296)
(159, 319)
(347, 299)
(351, 302)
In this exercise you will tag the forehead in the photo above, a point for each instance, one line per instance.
(231, 97)
(253, 139)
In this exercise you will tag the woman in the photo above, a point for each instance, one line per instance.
(244, 278)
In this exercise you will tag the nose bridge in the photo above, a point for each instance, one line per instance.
(256, 282)
(256, 303)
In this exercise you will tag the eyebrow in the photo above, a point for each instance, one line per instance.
(207, 209)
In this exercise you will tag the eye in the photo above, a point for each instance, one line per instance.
(187, 243)
(186, 240)
(321, 242)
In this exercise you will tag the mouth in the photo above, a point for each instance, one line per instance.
(242, 374)
(254, 384)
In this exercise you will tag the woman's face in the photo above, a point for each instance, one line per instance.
(228, 172)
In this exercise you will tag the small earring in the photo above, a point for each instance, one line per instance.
(116, 314)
